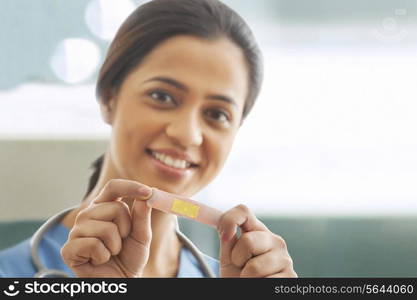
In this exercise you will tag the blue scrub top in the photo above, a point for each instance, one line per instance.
(16, 261)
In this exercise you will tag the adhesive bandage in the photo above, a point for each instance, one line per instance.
(184, 207)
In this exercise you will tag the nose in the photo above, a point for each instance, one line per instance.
(185, 130)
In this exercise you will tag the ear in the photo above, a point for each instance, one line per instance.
(108, 110)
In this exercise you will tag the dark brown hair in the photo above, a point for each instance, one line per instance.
(158, 20)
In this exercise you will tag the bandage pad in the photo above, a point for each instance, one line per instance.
(185, 207)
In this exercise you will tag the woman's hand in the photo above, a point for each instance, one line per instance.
(256, 253)
(109, 239)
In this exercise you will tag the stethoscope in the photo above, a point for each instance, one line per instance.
(43, 272)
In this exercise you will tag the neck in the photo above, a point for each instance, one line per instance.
(165, 246)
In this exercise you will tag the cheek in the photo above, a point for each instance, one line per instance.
(218, 151)
(121, 147)
(130, 134)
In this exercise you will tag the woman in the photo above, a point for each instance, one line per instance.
(178, 81)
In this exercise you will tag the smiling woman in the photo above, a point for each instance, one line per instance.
(178, 81)
(172, 108)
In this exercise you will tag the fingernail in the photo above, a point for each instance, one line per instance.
(146, 192)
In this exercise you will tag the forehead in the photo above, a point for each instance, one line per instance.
(215, 66)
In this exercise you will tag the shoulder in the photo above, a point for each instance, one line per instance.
(16, 261)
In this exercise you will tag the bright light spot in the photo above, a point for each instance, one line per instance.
(104, 17)
(75, 60)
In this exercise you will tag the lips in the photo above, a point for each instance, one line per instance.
(173, 168)
(173, 158)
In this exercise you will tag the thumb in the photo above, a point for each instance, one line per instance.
(136, 245)
(141, 231)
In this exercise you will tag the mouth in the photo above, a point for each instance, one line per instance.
(169, 161)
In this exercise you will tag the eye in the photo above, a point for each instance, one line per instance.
(162, 97)
(218, 115)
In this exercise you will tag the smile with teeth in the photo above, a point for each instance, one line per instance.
(169, 161)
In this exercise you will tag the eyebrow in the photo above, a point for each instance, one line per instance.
(184, 88)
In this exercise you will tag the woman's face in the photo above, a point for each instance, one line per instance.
(175, 116)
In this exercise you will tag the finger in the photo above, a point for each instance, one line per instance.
(251, 244)
(267, 264)
(226, 251)
(141, 222)
(239, 216)
(136, 245)
(107, 232)
(117, 188)
(117, 212)
(83, 250)
(287, 274)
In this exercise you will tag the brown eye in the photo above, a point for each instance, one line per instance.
(218, 115)
(162, 97)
